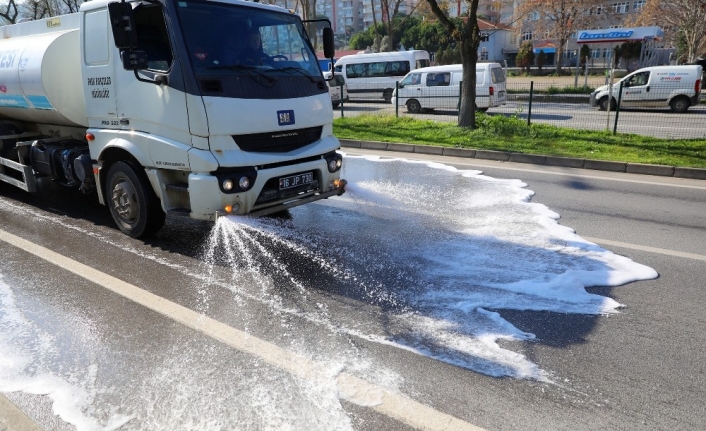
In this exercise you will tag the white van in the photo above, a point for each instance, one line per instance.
(438, 87)
(373, 76)
(337, 88)
(675, 87)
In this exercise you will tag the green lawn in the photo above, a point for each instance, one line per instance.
(512, 134)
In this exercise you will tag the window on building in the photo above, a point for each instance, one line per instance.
(621, 7)
(596, 53)
(638, 4)
(483, 54)
(598, 10)
(527, 35)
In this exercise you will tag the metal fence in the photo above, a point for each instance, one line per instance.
(549, 104)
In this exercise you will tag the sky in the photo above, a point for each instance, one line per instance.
(437, 254)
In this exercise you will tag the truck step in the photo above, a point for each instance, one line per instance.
(181, 212)
(180, 187)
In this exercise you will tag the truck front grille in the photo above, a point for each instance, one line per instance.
(279, 141)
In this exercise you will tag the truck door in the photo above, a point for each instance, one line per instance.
(159, 109)
(98, 71)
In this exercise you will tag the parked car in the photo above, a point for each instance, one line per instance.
(438, 87)
(337, 88)
(674, 87)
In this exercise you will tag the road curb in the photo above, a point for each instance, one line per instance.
(535, 159)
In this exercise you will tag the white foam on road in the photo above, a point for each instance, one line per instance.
(442, 250)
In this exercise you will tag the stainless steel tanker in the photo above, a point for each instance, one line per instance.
(40, 76)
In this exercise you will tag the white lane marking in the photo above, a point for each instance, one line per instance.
(646, 248)
(350, 387)
(543, 169)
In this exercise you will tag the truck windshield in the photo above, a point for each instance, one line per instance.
(225, 39)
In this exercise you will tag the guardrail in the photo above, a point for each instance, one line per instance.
(655, 112)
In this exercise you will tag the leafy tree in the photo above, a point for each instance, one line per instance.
(448, 55)
(525, 56)
(584, 53)
(440, 58)
(541, 60)
(628, 50)
(467, 34)
(366, 38)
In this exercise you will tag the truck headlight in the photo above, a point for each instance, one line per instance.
(334, 161)
(244, 182)
(228, 185)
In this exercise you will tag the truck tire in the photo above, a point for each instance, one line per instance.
(413, 106)
(603, 104)
(132, 202)
(680, 104)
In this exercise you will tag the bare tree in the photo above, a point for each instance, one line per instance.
(687, 17)
(557, 20)
(71, 6)
(376, 41)
(11, 12)
(390, 11)
(466, 32)
(37, 9)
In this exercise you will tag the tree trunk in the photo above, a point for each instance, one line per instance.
(469, 58)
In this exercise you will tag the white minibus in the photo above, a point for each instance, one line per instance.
(438, 87)
(373, 76)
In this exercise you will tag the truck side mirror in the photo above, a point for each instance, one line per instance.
(329, 47)
(122, 24)
(134, 59)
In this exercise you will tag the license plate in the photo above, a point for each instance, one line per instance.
(296, 180)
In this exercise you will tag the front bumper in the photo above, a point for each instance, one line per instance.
(208, 201)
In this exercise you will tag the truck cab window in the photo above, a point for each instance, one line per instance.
(152, 38)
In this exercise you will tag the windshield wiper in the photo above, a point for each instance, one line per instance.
(299, 70)
(246, 69)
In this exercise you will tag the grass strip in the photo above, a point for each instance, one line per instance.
(500, 133)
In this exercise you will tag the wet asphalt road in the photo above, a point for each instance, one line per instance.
(640, 369)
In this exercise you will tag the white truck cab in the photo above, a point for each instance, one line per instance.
(675, 87)
(158, 107)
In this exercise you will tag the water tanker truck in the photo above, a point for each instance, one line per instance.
(169, 107)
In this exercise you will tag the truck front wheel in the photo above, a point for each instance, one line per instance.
(132, 202)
